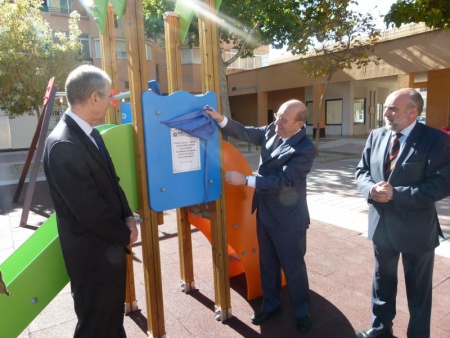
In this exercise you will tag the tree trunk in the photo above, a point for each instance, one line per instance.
(319, 114)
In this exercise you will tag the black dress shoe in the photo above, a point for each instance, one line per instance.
(304, 323)
(262, 316)
(371, 333)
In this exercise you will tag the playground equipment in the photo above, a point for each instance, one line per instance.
(243, 250)
(35, 273)
(134, 36)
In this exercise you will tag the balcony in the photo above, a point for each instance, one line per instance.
(64, 11)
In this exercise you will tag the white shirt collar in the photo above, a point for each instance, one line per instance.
(405, 132)
(86, 127)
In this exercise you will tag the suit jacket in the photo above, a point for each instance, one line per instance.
(420, 178)
(280, 193)
(90, 205)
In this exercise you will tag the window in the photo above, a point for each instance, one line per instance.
(65, 6)
(380, 117)
(98, 49)
(257, 61)
(148, 51)
(86, 46)
(359, 109)
(190, 55)
(121, 49)
(333, 111)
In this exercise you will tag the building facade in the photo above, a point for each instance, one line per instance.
(413, 56)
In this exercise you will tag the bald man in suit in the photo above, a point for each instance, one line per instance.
(282, 214)
(404, 170)
(95, 223)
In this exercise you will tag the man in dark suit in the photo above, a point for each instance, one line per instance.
(95, 223)
(404, 170)
(280, 200)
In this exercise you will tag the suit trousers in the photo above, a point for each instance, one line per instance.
(418, 273)
(100, 309)
(283, 250)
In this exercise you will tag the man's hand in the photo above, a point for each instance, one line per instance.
(235, 178)
(382, 192)
(131, 224)
(214, 114)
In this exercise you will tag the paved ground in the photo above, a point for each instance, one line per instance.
(339, 261)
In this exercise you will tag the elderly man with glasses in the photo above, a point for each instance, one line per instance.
(282, 214)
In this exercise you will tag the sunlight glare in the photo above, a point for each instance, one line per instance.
(204, 10)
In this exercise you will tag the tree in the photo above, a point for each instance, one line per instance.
(243, 24)
(337, 38)
(334, 36)
(435, 13)
(30, 54)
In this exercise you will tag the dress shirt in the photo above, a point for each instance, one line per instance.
(405, 133)
(86, 127)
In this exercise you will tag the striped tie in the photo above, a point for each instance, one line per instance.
(393, 154)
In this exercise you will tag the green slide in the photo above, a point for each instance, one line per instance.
(35, 273)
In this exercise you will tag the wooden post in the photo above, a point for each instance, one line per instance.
(109, 61)
(209, 48)
(173, 60)
(109, 65)
(173, 51)
(137, 74)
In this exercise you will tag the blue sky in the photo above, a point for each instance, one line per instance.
(378, 8)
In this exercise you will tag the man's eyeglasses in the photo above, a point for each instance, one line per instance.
(102, 95)
(281, 119)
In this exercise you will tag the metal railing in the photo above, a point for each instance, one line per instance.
(64, 11)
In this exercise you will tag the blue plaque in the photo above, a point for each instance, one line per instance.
(182, 170)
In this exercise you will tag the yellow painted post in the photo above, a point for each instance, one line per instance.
(137, 74)
(109, 61)
(109, 65)
(173, 61)
(209, 49)
(173, 51)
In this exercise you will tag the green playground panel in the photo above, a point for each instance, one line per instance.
(35, 273)
(120, 144)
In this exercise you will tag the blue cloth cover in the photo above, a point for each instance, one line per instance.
(197, 123)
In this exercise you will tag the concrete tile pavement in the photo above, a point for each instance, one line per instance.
(339, 260)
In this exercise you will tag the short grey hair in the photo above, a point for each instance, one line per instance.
(416, 100)
(83, 81)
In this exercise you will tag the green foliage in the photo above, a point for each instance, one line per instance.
(245, 24)
(435, 13)
(30, 54)
(336, 38)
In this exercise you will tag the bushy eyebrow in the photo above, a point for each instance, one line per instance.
(391, 107)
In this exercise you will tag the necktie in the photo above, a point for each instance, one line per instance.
(393, 154)
(101, 146)
(278, 142)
